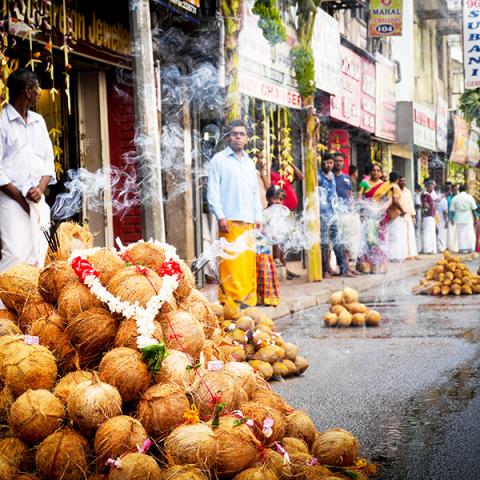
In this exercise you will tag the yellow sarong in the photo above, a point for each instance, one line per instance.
(239, 275)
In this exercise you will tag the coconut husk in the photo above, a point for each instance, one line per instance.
(264, 369)
(62, 455)
(116, 437)
(34, 312)
(93, 402)
(231, 353)
(237, 447)
(9, 343)
(218, 383)
(29, 367)
(97, 476)
(244, 374)
(336, 447)
(53, 278)
(6, 401)
(26, 476)
(182, 332)
(294, 445)
(271, 399)
(7, 327)
(198, 306)
(7, 472)
(8, 315)
(313, 472)
(257, 473)
(136, 466)
(259, 413)
(187, 282)
(107, 263)
(92, 332)
(130, 285)
(301, 364)
(217, 309)
(17, 453)
(276, 462)
(50, 329)
(35, 415)
(174, 369)
(300, 425)
(280, 370)
(76, 298)
(127, 334)
(290, 366)
(123, 368)
(161, 408)
(70, 236)
(183, 472)
(19, 287)
(69, 382)
(191, 444)
(146, 254)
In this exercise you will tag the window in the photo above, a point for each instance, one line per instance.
(360, 13)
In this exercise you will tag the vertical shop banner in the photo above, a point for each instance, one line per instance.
(473, 148)
(386, 121)
(385, 18)
(442, 125)
(460, 143)
(367, 99)
(471, 43)
(424, 126)
(339, 141)
(326, 52)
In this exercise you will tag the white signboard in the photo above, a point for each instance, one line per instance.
(424, 127)
(471, 43)
(326, 52)
(442, 125)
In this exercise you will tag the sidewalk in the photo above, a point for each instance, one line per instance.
(298, 294)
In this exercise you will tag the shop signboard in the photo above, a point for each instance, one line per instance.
(471, 43)
(339, 141)
(326, 52)
(385, 123)
(460, 143)
(442, 125)
(367, 99)
(424, 126)
(473, 147)
(385, 18)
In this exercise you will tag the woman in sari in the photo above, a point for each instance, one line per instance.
(375, 196)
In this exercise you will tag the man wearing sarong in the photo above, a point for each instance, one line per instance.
(429, 213)
(410, 218)
(397, 226)
(26, 169)
(464, 206)
(233, 197)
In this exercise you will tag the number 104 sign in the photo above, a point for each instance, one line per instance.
(385, 18)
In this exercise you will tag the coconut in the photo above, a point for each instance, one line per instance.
(344, 319)
(146, 254)
(17, 453)
(123, 368)
(116, 437)
(91, 403)
(350, 295)
(330, 319)
(62, 455)
(236, 448)
(257, 315)
(262, 368)
(191, 444)
(231, 353)
(257, 473)
(182, 332)
(300, 425)
(8, 315)
(70, 236)
(336, 447)
(290, 366)
(135, 284)
(92, 332)
(259, 413)
(19, 287)
(29, 366)
(218, 383)
(356, 307)
(174, 369)
(7, 327)
(35, 415)
(337, 309)
(336, 298)
(271, 399)
(313, 472)
(373, 318)
(76, 298)
(268, 354)
(161, 408)
(238, 336)
(217, 309)
(107, 263)
(358, 319)
(69, 382)
(183, 472)
(50, 330)
(127, 334)
(6, 401)
(301, 364)
(291, 351)
(53, 278)
(187, 282)
(294, 445)
(244, 374)
(7, 472)
(246, 323)
(136, 466)
(8, 344)
(97, 476)
(280, 370)
(276, 462)
(33, 312)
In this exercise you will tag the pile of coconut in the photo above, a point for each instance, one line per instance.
(80, 399)
(347, 311)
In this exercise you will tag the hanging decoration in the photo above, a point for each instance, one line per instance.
(285, 154)
(270, 21)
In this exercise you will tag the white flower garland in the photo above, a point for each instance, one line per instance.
(144, 316)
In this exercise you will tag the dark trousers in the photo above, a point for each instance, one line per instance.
(330, 238)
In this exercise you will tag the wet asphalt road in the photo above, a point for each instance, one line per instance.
(409, 389)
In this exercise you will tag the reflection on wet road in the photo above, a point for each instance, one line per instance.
(410, 389)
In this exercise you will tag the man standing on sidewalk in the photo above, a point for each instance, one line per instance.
(233, 197)
(410, 218)
(429, 213)
(464, 206)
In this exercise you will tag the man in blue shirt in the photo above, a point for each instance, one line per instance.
(233, 197)
(328, 220)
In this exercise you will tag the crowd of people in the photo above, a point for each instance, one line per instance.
(365, 221)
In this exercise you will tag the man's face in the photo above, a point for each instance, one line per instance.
(430, 188)
(402, 182)
(338, 163)
(237, 138)
(33, 93)
(327, 165)
(454, 189)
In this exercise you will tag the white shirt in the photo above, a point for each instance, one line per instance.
(26, 152)
(463, 204)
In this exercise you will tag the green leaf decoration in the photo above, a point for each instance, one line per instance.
(304, 64)
(154, 355)
(270, 21)
(219, 408)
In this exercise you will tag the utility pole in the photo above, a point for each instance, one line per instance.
(147, 139)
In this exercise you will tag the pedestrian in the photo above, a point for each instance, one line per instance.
(328, 219)
(452, 243)
(353, 172)
(464, 207)
(429, 225)
(442, 227)
(375, 193)
(418, 210)
(27, 167)
(397, 226)
(348, 220)
(233, 198)
(410, 219)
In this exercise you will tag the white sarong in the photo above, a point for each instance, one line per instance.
(396, 235)
(442, 236)
(452, 243)
(466, 237)
(349, 231)
(412, 250)
(429, 235)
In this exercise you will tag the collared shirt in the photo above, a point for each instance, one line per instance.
(344, 190)
(328, 193)
(407, 202)
(233, 187)
(463, 205)
(26, 152)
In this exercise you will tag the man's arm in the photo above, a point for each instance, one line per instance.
(257, 208)
(298, 175)
(35, 193)
(213, 194)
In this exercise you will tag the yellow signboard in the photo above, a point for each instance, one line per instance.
(385, 18)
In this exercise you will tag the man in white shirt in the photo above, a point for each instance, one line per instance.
(464, 206)
(233, 197)
(407, 202)
(26, 169)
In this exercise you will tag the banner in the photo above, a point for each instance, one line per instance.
(385, 124)
(471, 43)
(385, 18)
(460, 144)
